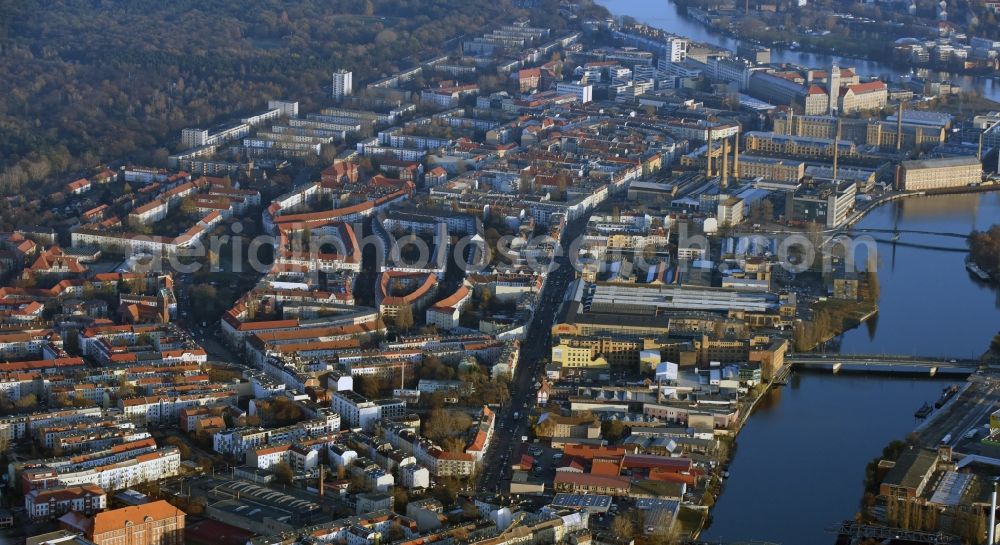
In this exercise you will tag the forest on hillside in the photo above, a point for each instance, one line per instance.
(89, 81)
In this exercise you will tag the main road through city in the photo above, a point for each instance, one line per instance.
(534, 352)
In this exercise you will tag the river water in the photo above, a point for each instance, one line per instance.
(930, 305)
(799, 462)
(666, 15)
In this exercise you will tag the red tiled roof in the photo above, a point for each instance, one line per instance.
(869, 87)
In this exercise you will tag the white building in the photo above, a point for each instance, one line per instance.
(583, 92)
(415, 476)
(340, 455)
(356, 410)
(288, 108)
(267, 456)
(148, 467)
(343, 84)
(676, 49)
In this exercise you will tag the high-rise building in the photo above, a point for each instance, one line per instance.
(343, 84)
(833, 88)
(676, 49)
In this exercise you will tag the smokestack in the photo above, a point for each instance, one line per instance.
(836, 150)
(899, 128)
(736, 156)
(322, 473)
(725, 162)
(979, 154)
(708, 156)
(993, 517)
(790, 129)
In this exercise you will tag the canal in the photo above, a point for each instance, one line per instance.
(667, 15)
(799, 463)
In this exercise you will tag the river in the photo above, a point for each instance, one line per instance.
(800, 460)
(799, 463)
(930, 305)
(668, 16)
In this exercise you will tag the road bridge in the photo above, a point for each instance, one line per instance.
(922, 246)
(858, 531)
(909, 231)
(882, 363)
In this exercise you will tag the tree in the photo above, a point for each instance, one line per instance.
(446, 490)
(623, 527)
(441, 424)
(404, 318)
(278, 411)
(431, 367)
(453, 444)
(396, 532)
(26, 402)
(182, 446)
(188, 206)
(283, 472)
(367, 386)
(984, 249)
(871, 291)
(400, 497)
(612, 430)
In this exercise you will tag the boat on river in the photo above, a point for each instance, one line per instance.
(977, 271)
(923, 411)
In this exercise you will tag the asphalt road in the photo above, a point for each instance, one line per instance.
(535, 351)
(969, 411)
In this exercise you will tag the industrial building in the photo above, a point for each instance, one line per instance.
(926, 174)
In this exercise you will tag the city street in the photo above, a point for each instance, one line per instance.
(535, 350)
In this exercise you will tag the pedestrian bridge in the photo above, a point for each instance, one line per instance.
(883, 363)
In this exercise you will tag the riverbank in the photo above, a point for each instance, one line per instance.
(873, 46)
(668, 15)
(957, 318)
(782, 488)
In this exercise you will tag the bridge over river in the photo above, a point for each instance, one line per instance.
(881, 363)
(909, 231)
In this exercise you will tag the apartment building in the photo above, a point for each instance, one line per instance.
(119, 468)
(342, 84)
(399, 290)
(45, 504)
(445, 313)
(358, 411)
